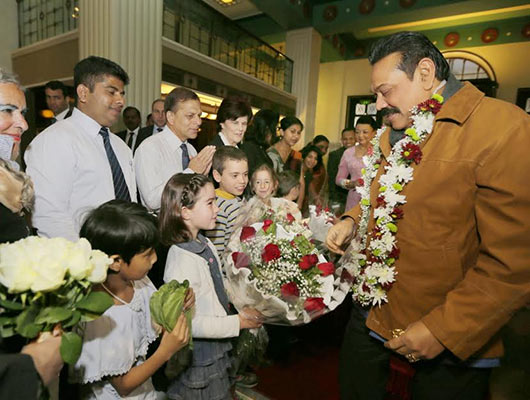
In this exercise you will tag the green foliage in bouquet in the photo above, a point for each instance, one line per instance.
(250, 347)
(48, 282)
(166, 305)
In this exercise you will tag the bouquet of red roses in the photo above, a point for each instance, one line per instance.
(272, 264)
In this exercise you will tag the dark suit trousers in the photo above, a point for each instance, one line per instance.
(364, 369)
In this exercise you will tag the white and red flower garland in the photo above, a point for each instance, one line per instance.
(372, 261)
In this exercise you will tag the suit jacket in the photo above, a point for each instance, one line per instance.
(217, 141)
(337, 194)
(143, 133)
(464, 266)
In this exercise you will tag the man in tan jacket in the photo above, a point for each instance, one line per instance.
(464, 237)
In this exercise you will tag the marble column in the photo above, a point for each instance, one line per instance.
(128, 32)
(303, 47)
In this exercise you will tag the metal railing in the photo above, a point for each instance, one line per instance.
(42, 19)
(199, 27)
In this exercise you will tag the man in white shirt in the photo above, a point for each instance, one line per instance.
(56, 99)
(168, 152)
(133, 135)
(75, 164)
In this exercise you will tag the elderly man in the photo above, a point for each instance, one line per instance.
(19, 372)
(76, 164)
(442, 235)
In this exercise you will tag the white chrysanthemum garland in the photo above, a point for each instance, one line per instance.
(372, 261)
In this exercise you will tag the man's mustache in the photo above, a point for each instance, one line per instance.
(385, 112)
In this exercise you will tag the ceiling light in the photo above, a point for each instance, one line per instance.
(227, 2)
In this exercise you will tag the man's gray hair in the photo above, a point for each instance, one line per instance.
(7, 77)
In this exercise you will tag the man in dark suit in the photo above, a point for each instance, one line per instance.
(338, 195)
(133, 135)
(159, 122)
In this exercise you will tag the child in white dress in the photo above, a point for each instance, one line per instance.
(113, 362)
(188, 206)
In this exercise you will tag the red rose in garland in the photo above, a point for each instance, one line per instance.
(271, 252)
(326, 268)
(289, 218)
(290, 289)
(241, 260)
(247, 232)
(314, 304)
(308, 261)
(266, 224)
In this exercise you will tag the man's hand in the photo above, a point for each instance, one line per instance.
(202, 162)
(46, 357)
(340, 233)
(417, 343)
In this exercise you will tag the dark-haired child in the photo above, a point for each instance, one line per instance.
(113, 361)
(188, 206)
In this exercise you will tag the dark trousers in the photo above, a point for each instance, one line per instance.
(364, 368)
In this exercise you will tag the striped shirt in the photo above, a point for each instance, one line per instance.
(229, 206)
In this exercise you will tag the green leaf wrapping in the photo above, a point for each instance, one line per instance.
(52, 315)
(71, 345)
(95, 303)
(25, 323)
(11, 305)
(73, 320)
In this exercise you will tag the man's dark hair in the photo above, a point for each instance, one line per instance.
(120, 227)
(128, 108)
(225, 153)
(413, 46)
(92, 69)
(263, 125)
(232, 108)
(57, 85)
(320, 138)
(366, 119)
(178, 95)
(346, 130)
(156, 101)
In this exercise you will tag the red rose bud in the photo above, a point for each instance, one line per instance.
(247, 232)
(326, 268)
(290, 218)
(308, 261)
(241, 260)
(360, 182)
(397, 213)
(270, 252)
(312, 304)
(380, 202)
(386, 286)
(290, 289)
(266, 224)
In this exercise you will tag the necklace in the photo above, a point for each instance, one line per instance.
(373, 254)
(115, 296)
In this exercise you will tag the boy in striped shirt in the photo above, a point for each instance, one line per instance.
(230, 171)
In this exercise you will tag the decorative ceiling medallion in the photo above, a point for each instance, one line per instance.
(451, 39)
(366, 6)
(489, 35)
(407, 3)
(330, 13)
(526, 31)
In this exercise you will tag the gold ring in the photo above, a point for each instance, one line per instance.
(397, 332)
(411, 358)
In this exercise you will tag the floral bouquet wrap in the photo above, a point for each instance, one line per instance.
(48, 282)
(272, 264)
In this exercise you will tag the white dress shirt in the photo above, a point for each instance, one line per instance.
(134, 137)
(62, 114)
(225, 140)
(71, 174)
(157, 159)
(156, 128)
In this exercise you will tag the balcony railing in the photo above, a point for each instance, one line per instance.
(42, 19)
(199, 27)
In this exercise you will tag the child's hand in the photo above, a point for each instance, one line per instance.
(189, 300)
(250, 318)
(176, 339)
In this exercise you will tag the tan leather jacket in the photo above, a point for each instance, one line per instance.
(464, 266)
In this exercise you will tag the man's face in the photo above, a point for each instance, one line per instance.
(55, 100)
(131, 119)
(322, 146)
(105, 102)
(12, 107)
(185, 119)
(396, 93)
(348, 139)
(158, 114)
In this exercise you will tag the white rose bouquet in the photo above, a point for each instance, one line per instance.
(45, 282)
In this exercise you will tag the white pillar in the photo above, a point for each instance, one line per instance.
(303, 47)
(128, 32)
(8, 33)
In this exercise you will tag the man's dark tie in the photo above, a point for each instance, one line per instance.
(130, 139)
(185, 156)
(121, 191)
(159, 129)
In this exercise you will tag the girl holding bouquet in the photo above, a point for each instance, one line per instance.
(188, 206)
(113, 361)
